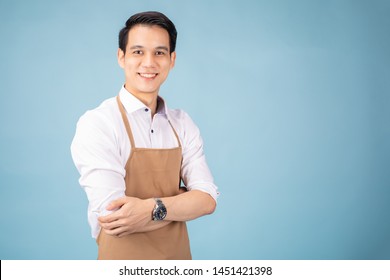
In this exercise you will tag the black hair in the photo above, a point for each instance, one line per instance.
(148, 18)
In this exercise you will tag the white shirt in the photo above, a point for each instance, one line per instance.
(101, 148)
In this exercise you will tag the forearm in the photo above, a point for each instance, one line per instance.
(135, 215)
(188, 206)
(153, 225)
(183, 207)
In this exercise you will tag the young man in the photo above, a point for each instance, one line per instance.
(133, 151)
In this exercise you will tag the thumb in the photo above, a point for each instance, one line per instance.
(115, 204)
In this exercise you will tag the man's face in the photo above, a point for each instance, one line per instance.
(147, 60)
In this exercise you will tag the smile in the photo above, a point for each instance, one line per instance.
(148, 75)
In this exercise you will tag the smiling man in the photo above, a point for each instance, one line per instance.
(132, 152)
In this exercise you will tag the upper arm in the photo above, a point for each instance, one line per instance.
(96, 155)
(196, 174)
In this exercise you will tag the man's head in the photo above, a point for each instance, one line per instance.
(149, 19)
(147, 53)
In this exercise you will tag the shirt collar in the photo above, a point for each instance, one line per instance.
(162, 108)
(132, 103)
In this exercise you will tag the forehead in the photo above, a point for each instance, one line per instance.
(148, 36)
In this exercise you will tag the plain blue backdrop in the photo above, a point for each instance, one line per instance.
(292, 99)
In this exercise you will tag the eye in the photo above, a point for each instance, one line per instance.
(160, 53)
(137, 52)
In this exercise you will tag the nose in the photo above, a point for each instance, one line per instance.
(148, 60)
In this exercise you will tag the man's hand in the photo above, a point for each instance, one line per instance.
(133, 215)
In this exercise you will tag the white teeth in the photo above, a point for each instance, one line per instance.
(146, 75)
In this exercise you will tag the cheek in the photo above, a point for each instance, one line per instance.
(167, 66)
(130, 68)
(130, 62)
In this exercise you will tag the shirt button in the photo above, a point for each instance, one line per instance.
(146, 110)
(152, 130)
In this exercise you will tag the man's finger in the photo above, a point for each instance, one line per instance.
(109, 218)
(115, 204)
(118, 232)
(111, 225)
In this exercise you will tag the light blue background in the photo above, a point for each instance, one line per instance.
(292, 99)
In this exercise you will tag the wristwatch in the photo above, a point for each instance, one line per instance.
(160, 211)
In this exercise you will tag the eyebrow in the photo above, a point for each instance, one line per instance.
(141, 47)
(162, 48)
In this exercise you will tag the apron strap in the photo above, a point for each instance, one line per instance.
(126, 122)
(177, 136)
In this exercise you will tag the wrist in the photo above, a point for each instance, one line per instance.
(149, 205)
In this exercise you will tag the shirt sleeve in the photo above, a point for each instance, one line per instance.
(96, 155)
(196, 174)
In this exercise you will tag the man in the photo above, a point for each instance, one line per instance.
(133, 151)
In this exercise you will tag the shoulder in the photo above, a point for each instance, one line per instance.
(186, 128)
(182, 119)
(100, 122)
(103, 115)
(97, 135)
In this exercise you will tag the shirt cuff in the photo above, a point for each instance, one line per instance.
(209, 188)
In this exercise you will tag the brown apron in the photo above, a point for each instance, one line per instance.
(149, 173)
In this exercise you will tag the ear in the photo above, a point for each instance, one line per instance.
(173, 59)
(121, 58)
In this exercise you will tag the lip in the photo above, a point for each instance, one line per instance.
(147, 75)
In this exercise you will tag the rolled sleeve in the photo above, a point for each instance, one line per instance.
(196, 174)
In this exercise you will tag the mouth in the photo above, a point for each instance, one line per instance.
(148, 75)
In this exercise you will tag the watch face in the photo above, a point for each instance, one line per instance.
(160, 213)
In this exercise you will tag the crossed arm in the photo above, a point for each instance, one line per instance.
(95, 153)
(135, 215)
